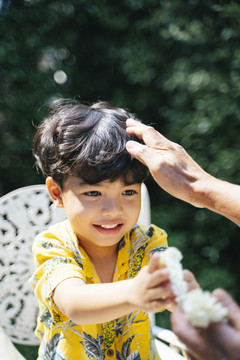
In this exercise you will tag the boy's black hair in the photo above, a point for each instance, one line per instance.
(88, 142)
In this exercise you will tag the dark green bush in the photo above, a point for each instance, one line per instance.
(173, 63)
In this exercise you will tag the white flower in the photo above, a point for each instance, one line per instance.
(171, 258)
(200, 307)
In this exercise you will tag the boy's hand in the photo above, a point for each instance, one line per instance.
(151, 289)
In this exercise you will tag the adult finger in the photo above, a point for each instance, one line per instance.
(195, 340)
(225, 338)
(136, 128)
(148, 134)
(231, 305)
(141, 152)
(190, 279)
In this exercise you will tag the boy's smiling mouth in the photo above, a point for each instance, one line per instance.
(108, 228)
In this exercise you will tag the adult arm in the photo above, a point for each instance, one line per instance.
(219, 341)
(177, 173)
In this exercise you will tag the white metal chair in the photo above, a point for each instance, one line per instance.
(7, 349)
(23, 214)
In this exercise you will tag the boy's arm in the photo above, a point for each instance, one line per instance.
(85, 304)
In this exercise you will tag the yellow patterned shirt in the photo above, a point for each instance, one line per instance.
(58, 256)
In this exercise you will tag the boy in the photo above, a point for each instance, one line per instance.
(94, 280)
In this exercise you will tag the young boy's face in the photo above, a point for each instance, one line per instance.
(103, 213)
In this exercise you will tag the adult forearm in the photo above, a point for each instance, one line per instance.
(219, 196)
(177, 173)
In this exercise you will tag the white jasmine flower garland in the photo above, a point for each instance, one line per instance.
(200, 307)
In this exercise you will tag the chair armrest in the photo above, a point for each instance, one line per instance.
(173, 341)
(168, 336)
(7, 349)
(166, 352)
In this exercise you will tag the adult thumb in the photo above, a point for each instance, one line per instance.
(232, 307)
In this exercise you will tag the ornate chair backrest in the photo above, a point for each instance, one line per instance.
(24, 213)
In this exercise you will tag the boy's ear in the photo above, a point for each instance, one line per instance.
(54, 191)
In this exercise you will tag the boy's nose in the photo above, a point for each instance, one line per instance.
(112, 207)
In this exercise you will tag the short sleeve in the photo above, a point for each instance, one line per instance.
(54, 264)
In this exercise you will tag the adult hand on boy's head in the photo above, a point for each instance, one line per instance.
(170, 165)
(219, 341)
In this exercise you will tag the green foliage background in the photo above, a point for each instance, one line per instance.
(175, 63)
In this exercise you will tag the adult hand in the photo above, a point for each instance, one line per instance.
(178, 174)
(219, 341)
(170, 165)
(190, 279)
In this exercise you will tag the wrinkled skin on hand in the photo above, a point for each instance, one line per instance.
(219, 341)
(170, 165)
(176, 172)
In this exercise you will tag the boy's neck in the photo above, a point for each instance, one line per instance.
(104, 253)
(98, 252)
(104, 260)
(105, 267)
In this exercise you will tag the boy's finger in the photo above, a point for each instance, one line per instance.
(161, 293)
(160, 277)
(153, 263)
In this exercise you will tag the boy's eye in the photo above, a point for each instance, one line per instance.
(129, 192)
(92, 193)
